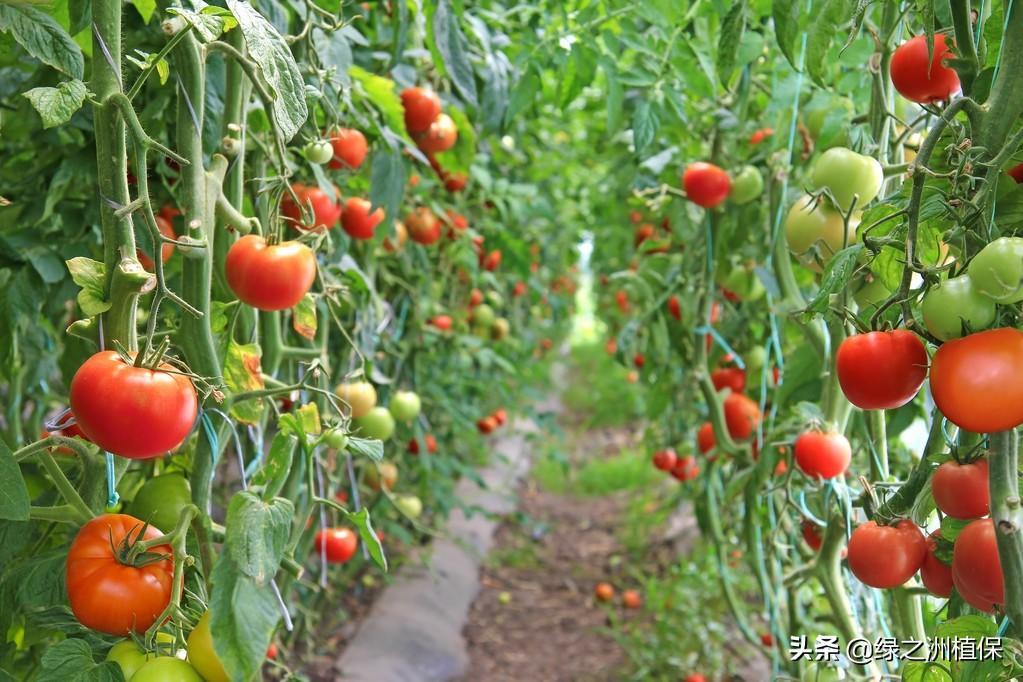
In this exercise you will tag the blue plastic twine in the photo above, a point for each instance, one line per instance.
(112, 497)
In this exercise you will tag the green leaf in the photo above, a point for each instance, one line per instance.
(578, 72)
(277, 65)
(615, 95)
(923, 671)
(837, 275)
(257, 533)
(450, 43)
(786, 28)
(644, 125)
(824, 27)
(71, 661)
(14, 502)
(303, 317)
(365, 447)
(309, 415)
(90, 275)
(244, 615)
(43, 38)
(145, 9)
(360, 520)
(389, 178)
(951, 528)
(382, 93)
(57, 105)
(207, 26)
(242, 372)
(336, 54)
(967, 626)
(732, 28)
(275, 470)
(523, 95)
(495, 96)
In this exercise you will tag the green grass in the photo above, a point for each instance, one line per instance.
(597, 388)
(628, 470)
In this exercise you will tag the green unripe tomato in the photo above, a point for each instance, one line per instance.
(377, 423)
(744, 283)
(755, 358)
(953, 303)
(747, 185)
(128, 656)
(848, 175)
(160, 501)
(807, 225)
(201, 653)
(409, 505)
(871, 294)
(318, 152)
(483, 316)
(405, 406)
(997, 271)
(495, 299)
(336, 439)
(168, 669)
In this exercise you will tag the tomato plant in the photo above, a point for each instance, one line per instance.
(886, 556)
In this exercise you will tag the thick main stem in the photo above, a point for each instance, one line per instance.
(1007, 513)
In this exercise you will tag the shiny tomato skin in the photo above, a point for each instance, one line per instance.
(961, 490)
(954, 303)
(881, 370)
(134, 412)
(1016, 173)
(997, 271)
(976, 380)
(106, 595)
(705, 184)
(685, 468)
(442, 322)
(326, 212)
(936, 576)
(665, 460)
(166, 250)
(269, 277)
(848, 175)
(976, 565)
(440, 136)
(337, 543)
(422, 107)
(357, 220)
(705, 440)
(886, 556)
(349, 148)
(920, 79)
(729, 377)
(742, 415)
(423, 226)
(167, 669)
(811, 534)
(821, 454)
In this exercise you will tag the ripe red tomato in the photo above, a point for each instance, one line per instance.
(500, 415)
(486, 425)
(326, 212)
(696, 677)
(705, 440)
(457, 220)
(665, 460)
(936, 576)
(349, 148)
(767, 639)
(976, 565)
(166, 250)
(705, 184)
(685, 468)
(441, 322)
(1016, 173)
(631, 599)
(105, 593)
(961, 490)
(357, 220)
(886, 556)
(431, 444)
(337, 543)
(439, 137)
(642, 233)
(811, 535)
(492, 260)
(639, 360)
(881, 370)
(422, 107)
(675, 308)
(423, 226)
(742, 416)
(975, 380)
(760, 135)
(604, 591)
(269, 277)
(455, 182)
(622, 301)
(822, 454)
(920, 79)
(133, 412)
(729, 377)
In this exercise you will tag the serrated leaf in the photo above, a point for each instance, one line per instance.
(303, 317)
(43, 38)
(837, 275)
(57, 105)
(257, 533)
(277, 65)
(208, 27)
(615, 95)
(244, 615)
(243, 372)
(361, 521)
(450, 44)
(366, 447)
(822, 30)
(382, 93)
(644, 125)
(90, 275)
(71, 661)
(577, 74)
(732, 28)
(275, 470)
(522, 95)
(14, 502)
(388, 179)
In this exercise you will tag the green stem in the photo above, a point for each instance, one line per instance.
(67, 490)
(1005, 103)
(966, 48)
(1007, 514)
(907, 605)
(877, 429)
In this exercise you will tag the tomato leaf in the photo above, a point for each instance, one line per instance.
(523, 94)
(365, 447)
(309, 415)
(450, 44)
(644, 125)
(244, 615)
(361, 520)
(303, 317)
(837, 275)
(43, 38)
(257, 533)
(732, 28)
(615, 95)
(277, 65)
(387, 186)
(57, 105)
(967, 626)
(242, 372)
(90, 275)
(824, 26)
(71, 661)
(951, 528)
(14, 502)
(381, 92)
(275, 470)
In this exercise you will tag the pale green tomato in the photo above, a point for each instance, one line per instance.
(500, 329)
(201, 653)
(997, 271)
(127, 655)
(168, 669)
(377, 423)
(483, 316)
(953, 303)
(409, 505)
(744, 283)
(405, 406)
(871, 294)
(847, 176)
(495, 299)
(755, 358)
(747, 185)
(808, 225)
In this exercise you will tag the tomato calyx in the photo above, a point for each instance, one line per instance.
(135, 552)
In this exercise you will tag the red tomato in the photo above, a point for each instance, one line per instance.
(423, 226)
(442, 322)
(611, 346)
(811, 534)
(961, 490)
(705, 184)
(104, 592)
(455, 182)
(976, 565)
(822, 454)
(133, 412)
(431, 444)
(1016, 173)
(767, 639)
(269, 277)
(696, 677)
(486, 425)
(439, 137)
(742, 416)
(886, 556)
(500, 415)
(635, 216)
(349, 148)
(729, 377)
(759, 136)
(271, 651)
(337, 543)
(326, 212)
(936, 576)
(705, 440)
(422, 107)
(492, 261)
(622, 301)
(519, 289)
(459, 221)
(881, 370)
(975, 380)
(167, 250)
(643, 232)
(665, 460)
(715, 312)
(639, 360)
(675, 308)
(357, 220)
(920, 79)
(685, 468)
